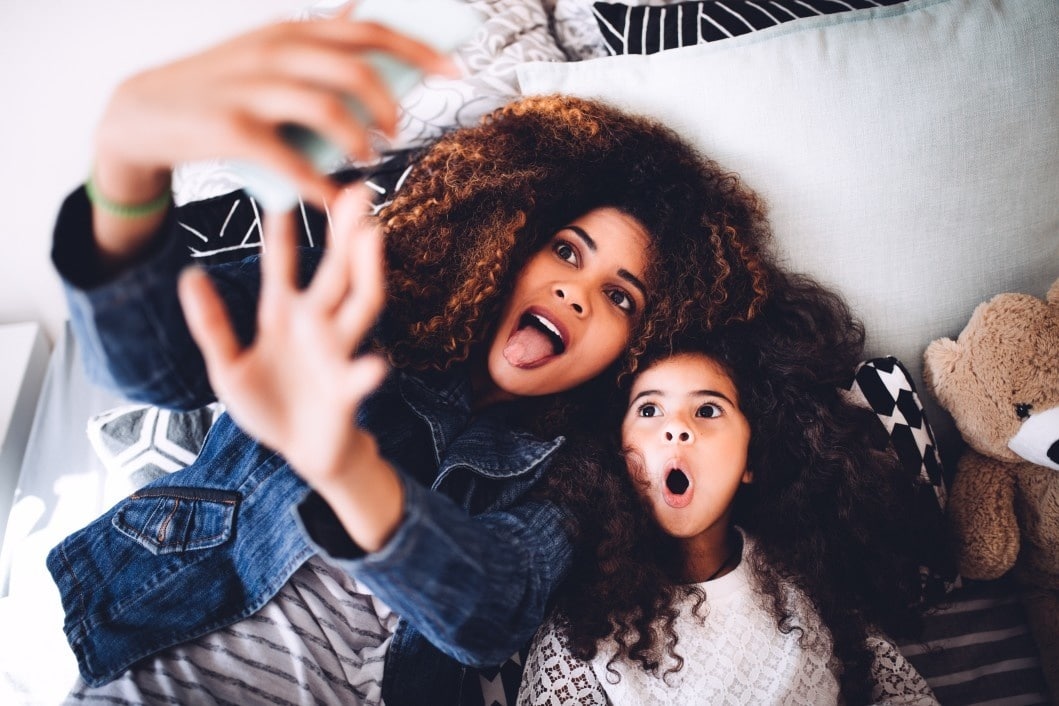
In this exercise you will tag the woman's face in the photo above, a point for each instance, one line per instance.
(686, 441)
(573, 307)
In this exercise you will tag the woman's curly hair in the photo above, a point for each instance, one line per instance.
(482, 200)
(830, 507)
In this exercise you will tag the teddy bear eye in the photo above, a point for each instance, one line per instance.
(1023, 410)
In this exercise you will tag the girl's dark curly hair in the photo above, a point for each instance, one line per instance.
(482, 200)
(829, 505)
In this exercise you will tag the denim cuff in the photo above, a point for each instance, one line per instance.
(76, 256)
(327, 535)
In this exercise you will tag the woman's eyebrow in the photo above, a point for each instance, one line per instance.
(591, 245)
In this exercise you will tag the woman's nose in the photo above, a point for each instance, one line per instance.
(569, 296)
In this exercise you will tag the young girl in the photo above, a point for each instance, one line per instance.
(752, 548)
(524, 257)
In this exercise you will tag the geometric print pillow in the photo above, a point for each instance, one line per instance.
(139, 443)
(650, 29)
(885, 386)
(227, 227)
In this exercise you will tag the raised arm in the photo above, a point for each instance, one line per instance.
(298, 385)
(228, 102)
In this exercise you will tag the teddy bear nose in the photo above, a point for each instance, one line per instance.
(1053, 452)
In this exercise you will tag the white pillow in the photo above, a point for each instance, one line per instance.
(909, 155)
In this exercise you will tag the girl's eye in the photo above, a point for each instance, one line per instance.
(648, 409)
(709, 411)
(622, 300)
(565, 251)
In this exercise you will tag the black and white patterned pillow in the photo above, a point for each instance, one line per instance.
(885, 386)
(227, 227)
(139, 443)
(648, 29)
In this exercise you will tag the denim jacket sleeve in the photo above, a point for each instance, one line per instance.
(476, 587)
(131, 328)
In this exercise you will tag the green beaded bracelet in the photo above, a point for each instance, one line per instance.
(141, 210)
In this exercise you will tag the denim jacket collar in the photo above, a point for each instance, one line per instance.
(486, 444)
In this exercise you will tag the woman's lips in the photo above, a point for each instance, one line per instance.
(536, 339)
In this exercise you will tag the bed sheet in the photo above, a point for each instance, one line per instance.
(62, 486)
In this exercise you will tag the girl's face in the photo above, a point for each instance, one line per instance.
(573, 307)
(686, 442)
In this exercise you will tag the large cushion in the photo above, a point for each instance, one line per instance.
(909, 154)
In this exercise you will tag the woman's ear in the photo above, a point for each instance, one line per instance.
(748, 476)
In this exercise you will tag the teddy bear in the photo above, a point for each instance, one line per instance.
(1000, 382)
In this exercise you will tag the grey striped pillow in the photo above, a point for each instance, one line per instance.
(648, 29)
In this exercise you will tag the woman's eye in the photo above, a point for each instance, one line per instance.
(709, 411)
(648, 410)
(565, 251)
(622, 300)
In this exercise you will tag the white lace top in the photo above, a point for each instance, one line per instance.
(735, 655)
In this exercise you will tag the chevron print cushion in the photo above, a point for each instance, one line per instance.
(885, 386)
(138, 443)
(650, 29)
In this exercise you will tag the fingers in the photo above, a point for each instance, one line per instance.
(307, 83)
(365, 374)
(208, 321)
(350, 282)
(260, 143)
(272, 101)
(370, 35)
(358, 313)
(335, 276)
(279, 265)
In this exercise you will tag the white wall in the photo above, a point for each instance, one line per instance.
(59, 59)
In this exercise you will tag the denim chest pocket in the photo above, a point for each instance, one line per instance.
(172, 520)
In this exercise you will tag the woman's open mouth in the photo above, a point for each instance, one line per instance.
(535, 340)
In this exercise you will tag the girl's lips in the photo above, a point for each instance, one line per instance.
(673, 499)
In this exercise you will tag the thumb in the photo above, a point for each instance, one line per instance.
(365, 374)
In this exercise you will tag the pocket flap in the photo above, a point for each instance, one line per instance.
(170, 520)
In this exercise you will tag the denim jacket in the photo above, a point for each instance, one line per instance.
(470, 569)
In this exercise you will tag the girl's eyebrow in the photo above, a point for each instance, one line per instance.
(622, 272)
(693, 393)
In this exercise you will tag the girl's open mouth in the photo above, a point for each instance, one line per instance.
(677, 492)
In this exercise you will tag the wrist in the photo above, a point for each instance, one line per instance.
(129, 203)
(364, 491)
(122, 182)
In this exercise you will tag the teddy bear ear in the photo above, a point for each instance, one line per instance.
(1053, 293)
(939, 363)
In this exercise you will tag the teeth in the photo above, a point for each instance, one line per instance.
(548, 325)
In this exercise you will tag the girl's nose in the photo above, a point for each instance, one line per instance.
(568, 296)
(678, 433)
